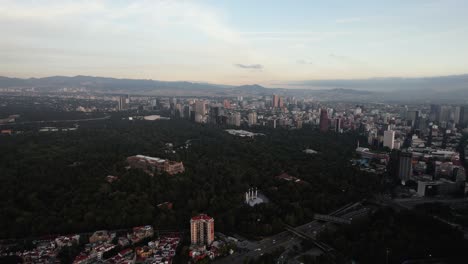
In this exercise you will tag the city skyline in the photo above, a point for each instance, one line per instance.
(269, 43)
(205, 131)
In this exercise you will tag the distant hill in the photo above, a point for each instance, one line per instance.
(103, 85)
(434, 89)
(452, 82)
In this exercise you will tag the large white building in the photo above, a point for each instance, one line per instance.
(389, 139)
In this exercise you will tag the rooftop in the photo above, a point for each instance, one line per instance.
(202, 217)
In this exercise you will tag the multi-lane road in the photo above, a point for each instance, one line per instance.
(285, 239)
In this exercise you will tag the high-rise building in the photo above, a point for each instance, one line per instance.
(338, 125)
(444, 115)
(464, 116)
(179, 111)
(217, 115)
(324, 122)
(200, 108)
(400, 166)
(412, 117)
(389, 139)
(236, 119)
(252, 118)
(435, 112)
(201, 230)
(227, 104)
(280, 102)
(456, 114)
(405, 168)
(199, 111)
(187, 112)
(154, 103)
(123, 105)
(275, 100)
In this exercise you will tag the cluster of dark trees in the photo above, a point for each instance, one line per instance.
(55, 182)
(390, 236)
(32, 109)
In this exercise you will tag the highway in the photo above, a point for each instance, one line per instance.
(286, 239)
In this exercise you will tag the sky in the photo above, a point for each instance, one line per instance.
(272, 43)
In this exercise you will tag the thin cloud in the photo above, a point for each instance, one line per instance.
(249, 66)
(293, 35)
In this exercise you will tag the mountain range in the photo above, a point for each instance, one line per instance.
(443, 89)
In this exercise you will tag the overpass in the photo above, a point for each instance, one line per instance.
(322, 246)
(332, 219)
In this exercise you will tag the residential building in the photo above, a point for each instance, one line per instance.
(252, 118)
(123, 105)
(275, 101)
(200, 108)
(324, 122)
(389, 139)
(338, 125)
(280, 102)
(405, 169)
(202, 230)
(463, 116)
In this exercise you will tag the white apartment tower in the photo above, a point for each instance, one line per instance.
(389, 139)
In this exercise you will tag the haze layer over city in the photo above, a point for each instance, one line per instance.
(233, 131)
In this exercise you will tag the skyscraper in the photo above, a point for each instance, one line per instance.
(412, 116)
(252, 118)
(463, 116)
(216, 115)
(187, 112)
(236, 119)
(389, 139)
(123, 105)
(280, 102)
(456, 114)
(435, 112)
(405, 167)
(179, 111)
(324, 120)
(201, 230)
(444, 114)
(200, 107)
(275, 100)
(338, 125)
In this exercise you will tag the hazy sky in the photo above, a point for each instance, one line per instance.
(234, 42)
